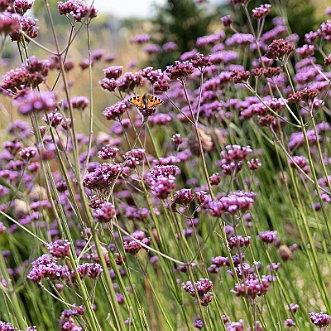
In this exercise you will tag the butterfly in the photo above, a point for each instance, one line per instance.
(145, 101)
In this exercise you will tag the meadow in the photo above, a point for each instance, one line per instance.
(196, 196)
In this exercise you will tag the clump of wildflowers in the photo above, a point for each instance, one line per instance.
(132, 246)
(280, 49)
(113, 72)
(197, 322)
(77, 9)
(115, 111)
(180, 70)
(235, 202)
(66, 321)
(37, 102)
(9, 23)
(183, 197)
(305, 95)
(140, 38)
(321, 320)
(59, 249)
(253, 286)
(262, 11)
(102, 177)
(105, 212)
(202, 287)
(162, 180)
(91, 270)
(269, 237)
(29, 26)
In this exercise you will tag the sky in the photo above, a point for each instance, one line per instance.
(126, 8)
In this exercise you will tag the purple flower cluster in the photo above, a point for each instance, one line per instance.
(115, 111)
(253, 286)
(183, 197)
(29, 26)
(77, 9)
(321, 320)
(233, 158)
(180, 70)
(269, 237)
(235, 202)
(47, 267)
(102, 177)
(239, 241)
(134, 157)
(36, 102)
(59, 249)
(132, 246)
(262, 11)
(105, 212)
(162, 180)
(202, 288)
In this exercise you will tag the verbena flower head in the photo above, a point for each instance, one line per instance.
(80, 102)
(252, 286)
(169, 46)
(235, 326)
(293, 307)
(269, 237)
(235, 202)
(238, 241)
(5, 5)
(91, 270)
(129, 82)
(301, 162)
(162, 179)
(22, 6)
(108, 84)
(289, 322)
(306, 50)
(180, 70)
(280, 49)
(107, 152)
(321, 320)
(202, 287)
(66, 322)
(262, 11)
(47, 266)
(325, 30)
(59, 249)
(9, 23)
(37, 102)
(105, 212)
(102, 177)
(7, 326)
(183, 197)
(201, 62)
(115, 111)
(113, 72)
(227, 20)
(77, 9)
(29, 26)
(152, 49)
(133, 157)
(305, 95)
(140, 38)
(197, 322)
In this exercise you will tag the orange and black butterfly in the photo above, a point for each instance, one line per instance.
(145, 101)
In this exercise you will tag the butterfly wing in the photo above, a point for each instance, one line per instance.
(153, 101)
(137, 101)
